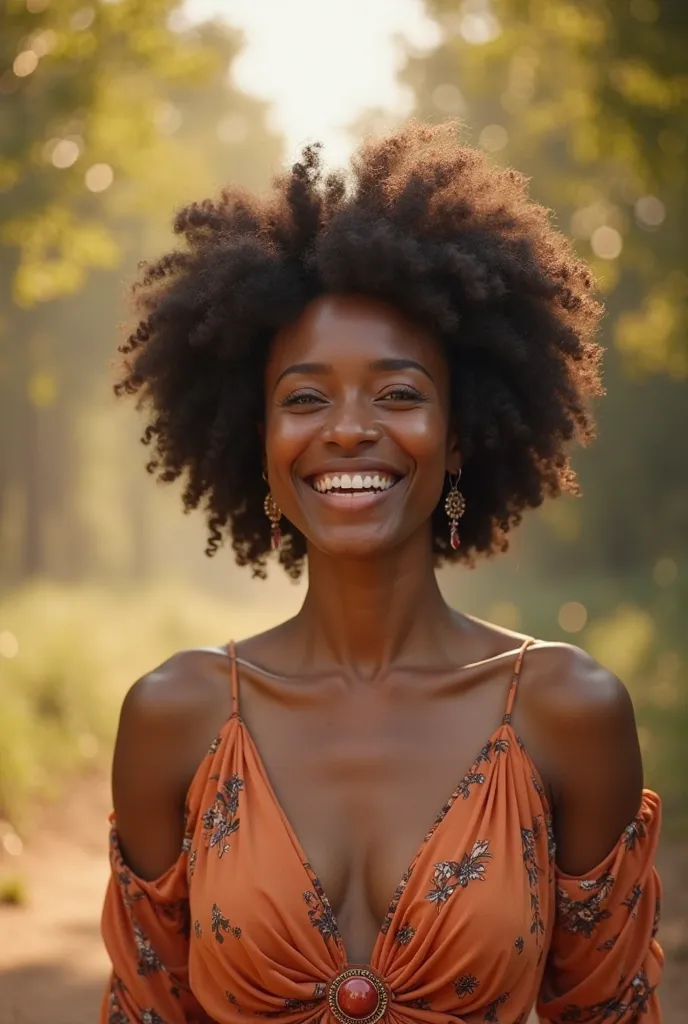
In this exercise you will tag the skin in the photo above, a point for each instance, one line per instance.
(373, 701)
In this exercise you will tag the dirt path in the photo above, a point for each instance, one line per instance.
(52, 965)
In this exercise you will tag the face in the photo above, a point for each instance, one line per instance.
(357, 426)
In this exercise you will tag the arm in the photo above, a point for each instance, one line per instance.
(168, 720)
(604, 962)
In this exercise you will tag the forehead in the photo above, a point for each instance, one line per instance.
(351, 331)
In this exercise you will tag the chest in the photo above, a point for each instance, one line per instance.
(362, 778)
(343, 889)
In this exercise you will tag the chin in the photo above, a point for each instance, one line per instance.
(354, 544)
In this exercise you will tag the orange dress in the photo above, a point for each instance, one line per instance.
(480, 924)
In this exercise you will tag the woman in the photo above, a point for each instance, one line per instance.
(378, 373)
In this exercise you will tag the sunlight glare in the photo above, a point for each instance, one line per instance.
(321, 65)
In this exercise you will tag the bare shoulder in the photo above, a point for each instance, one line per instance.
(579, 726)
(192, 682)
(168, 720)
(566, 683)
(171, 714)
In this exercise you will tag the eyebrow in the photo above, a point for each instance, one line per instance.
(378, 366)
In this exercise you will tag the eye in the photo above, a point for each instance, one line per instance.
(402, 393)
(302, 398)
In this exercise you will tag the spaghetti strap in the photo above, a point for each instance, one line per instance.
(514, 679)
(231, 650)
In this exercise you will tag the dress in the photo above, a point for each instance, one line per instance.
(481, 922)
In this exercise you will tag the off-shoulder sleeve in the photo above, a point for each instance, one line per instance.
(145, 927)
(604, 962)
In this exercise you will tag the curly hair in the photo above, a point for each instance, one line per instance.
(420, 222)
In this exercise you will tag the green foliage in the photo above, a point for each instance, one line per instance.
(111, 115)
(592, 100)
(68, 655)
(90, 130)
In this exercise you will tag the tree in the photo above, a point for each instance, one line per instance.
(111, 115)
(593, 97)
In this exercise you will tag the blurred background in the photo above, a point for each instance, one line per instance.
(113, 113)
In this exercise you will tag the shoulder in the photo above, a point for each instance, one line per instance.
(568, 686)
(192, 682)
(579, 726)
(170, 716)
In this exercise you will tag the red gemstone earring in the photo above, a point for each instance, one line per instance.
(454, 506)
(274, 514)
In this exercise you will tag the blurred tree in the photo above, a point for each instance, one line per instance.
(111, 114)
(591, 100)
(591, 97)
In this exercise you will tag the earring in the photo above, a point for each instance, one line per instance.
(274, 514)
(454, 506)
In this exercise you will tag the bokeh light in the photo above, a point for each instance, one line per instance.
(25, 63)
(449, 99)
(650, 211)
(606, 242)
(65, 153)
(573, 617)
(9, 645)
(493, 137)
(99, 177)
(82, 19)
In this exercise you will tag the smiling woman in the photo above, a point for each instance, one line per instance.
(324, 367)
(464, 265)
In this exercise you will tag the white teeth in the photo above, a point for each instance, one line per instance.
(358, 482)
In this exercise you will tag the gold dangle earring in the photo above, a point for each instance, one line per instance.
(274, 514)
(454, 506)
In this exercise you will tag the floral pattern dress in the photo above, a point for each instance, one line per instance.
(481, 926)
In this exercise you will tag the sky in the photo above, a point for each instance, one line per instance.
(321, 63)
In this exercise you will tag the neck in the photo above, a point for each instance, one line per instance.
(370, 612)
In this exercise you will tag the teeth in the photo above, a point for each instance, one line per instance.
(358, 482)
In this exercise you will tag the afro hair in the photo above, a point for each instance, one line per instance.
(421, 222)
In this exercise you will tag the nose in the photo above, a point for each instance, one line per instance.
(351, 423)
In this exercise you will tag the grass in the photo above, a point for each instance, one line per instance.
(68, 655)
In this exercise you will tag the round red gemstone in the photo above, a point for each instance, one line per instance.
(357, 997)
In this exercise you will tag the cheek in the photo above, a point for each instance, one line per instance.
(286, 437)
(423, 434)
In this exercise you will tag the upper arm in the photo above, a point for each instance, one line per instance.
(168, 720)
(582, 720)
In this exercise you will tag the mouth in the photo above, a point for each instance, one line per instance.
(353, 491)
(353, 484)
